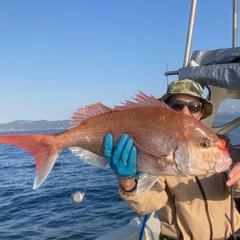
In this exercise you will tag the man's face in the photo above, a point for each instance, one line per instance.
(179, 103)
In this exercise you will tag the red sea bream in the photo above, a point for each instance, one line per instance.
(168, 142)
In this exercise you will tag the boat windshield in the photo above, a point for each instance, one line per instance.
(228, 117)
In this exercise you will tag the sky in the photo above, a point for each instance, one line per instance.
(59, 55)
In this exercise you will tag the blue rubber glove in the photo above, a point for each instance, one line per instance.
(122, 158)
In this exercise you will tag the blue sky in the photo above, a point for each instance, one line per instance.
(59, 55)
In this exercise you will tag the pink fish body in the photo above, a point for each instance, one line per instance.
(168, 142)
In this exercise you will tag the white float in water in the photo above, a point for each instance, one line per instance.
(78, 197)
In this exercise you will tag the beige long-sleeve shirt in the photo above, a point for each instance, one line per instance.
(192, 207)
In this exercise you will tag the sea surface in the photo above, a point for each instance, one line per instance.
(48, 212)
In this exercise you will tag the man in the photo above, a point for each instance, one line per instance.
(191, 207)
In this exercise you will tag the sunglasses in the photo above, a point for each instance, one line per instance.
(178, 105)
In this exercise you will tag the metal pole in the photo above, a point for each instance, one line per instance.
(234, 23)
(190, 32)
(166, 71)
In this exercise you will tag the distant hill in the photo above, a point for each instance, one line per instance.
(23, 125)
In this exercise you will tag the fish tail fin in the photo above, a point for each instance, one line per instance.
(41, 146)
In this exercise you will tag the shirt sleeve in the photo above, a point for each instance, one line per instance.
(150, 201)
(235, 156)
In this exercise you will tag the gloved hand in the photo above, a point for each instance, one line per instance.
(122, 158)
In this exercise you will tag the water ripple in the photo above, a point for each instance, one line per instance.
(48, 212)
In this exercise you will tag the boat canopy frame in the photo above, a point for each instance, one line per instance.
(218, 69)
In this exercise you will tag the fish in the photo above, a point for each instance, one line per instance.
(169, 143)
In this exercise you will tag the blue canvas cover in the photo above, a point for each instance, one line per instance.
(220, 67)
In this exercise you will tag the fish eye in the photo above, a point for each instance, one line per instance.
(205, 143)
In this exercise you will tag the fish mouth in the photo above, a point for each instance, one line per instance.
(222, 165)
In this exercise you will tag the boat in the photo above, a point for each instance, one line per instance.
(219, 71)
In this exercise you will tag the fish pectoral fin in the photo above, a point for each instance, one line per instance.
(89, 157)
(143, 150)
(145, 182)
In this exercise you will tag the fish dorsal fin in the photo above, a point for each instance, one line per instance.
(86, 112)
(145, 182)
(142, 100)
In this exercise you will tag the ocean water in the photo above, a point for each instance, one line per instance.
(48, 212)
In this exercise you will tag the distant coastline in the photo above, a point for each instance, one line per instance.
(23, 125)
(27, 125)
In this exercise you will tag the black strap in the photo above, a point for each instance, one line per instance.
(206, 206)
